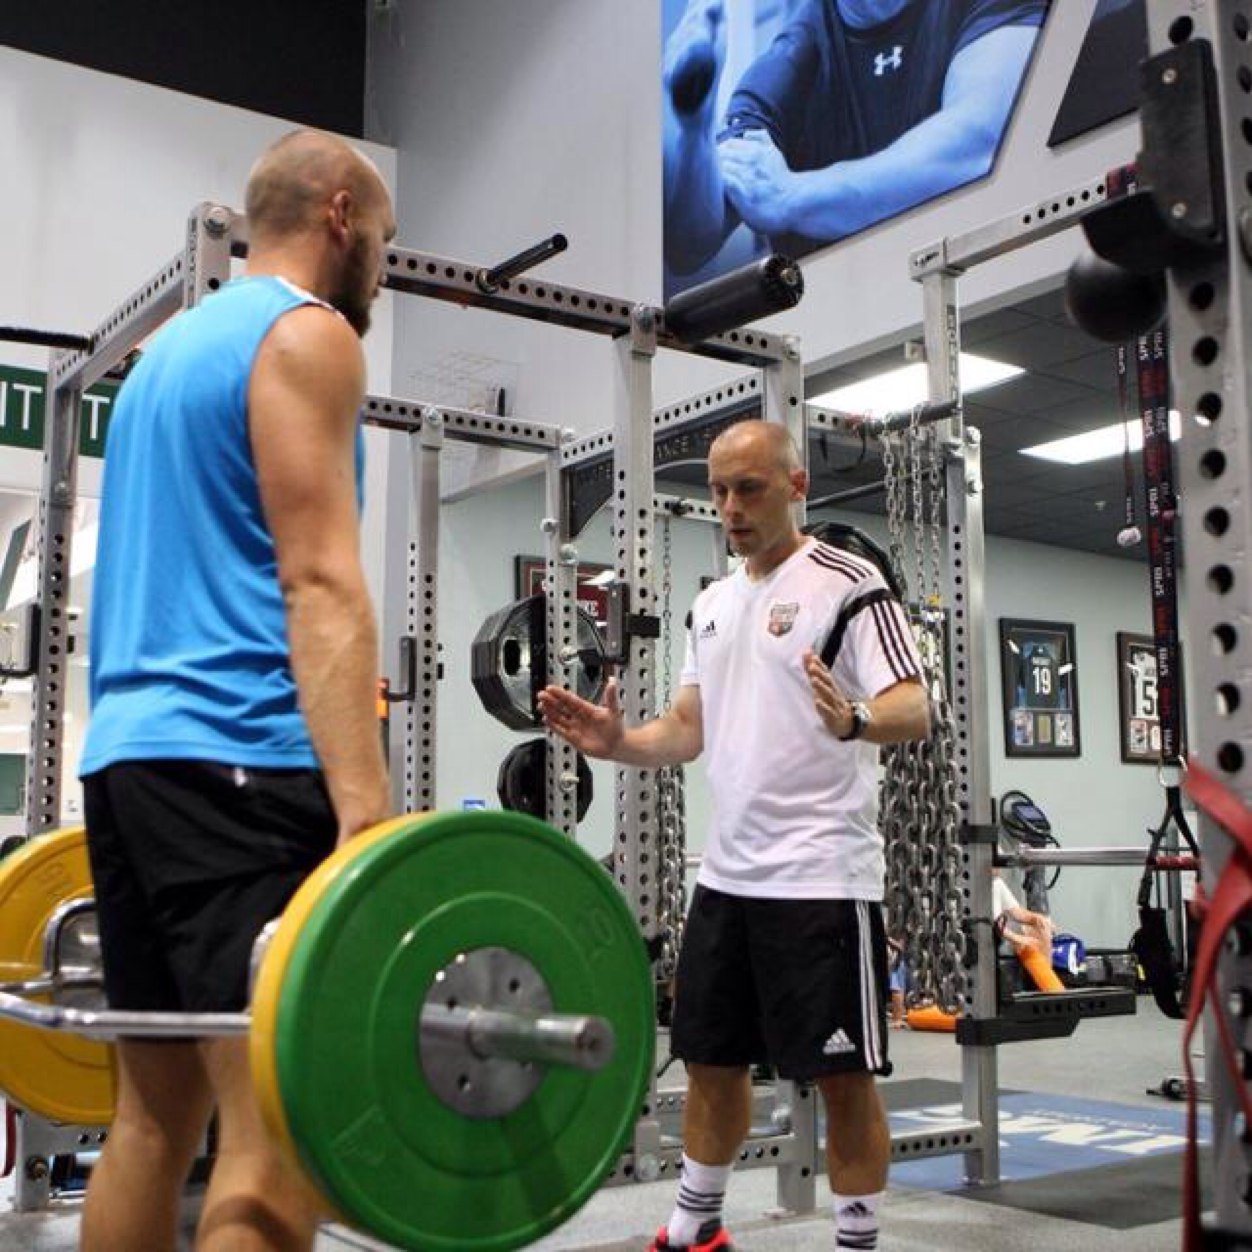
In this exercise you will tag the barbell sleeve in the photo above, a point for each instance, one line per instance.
(583, 1042)
(489, 280)
(46, 338)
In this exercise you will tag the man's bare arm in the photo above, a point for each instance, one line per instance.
(306, 388)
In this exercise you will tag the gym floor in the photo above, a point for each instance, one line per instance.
(1091, 1162)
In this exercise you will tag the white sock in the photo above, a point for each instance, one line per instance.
(856, 1221)
(701, 1191)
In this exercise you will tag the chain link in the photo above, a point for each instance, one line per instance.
(670, 791)
(919, 811)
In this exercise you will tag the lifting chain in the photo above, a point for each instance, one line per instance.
(671, 805)
(919, 813)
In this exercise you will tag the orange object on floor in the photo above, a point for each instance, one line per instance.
(1039, 967)
(932, 1017)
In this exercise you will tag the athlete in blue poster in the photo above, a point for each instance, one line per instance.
(858, 110)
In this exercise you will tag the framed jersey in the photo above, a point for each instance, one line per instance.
(1138, 707)
(1039, 677)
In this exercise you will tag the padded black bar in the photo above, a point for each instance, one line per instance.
(744, 295)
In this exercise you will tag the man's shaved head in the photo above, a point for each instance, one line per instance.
(770, 441)
(295, 177)
(320, 215)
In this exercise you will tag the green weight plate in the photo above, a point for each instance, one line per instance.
(388, 1154)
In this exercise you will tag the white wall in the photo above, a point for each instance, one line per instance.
(100, 175)
(1093, 799)
(512, 121)
(480, 537)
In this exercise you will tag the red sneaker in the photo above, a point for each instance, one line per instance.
(712, 1237)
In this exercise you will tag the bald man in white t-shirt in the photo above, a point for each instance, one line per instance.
(798, 666)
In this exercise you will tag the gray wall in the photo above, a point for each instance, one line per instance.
(1092, 799)
(514, 120)
(511, 121)
(104, 172)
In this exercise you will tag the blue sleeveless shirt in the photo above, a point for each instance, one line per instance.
(188, 635)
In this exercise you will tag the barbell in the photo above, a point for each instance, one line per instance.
(451, 1024)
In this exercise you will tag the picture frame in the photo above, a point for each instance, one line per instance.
(528, 575)
(1138, 707)
(1039, 685)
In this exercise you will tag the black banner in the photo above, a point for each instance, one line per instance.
(1162, 519)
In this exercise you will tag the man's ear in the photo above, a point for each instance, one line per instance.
(799, 483)
(340, 213)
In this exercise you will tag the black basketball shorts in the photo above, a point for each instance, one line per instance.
(189, 860)
(797, 984)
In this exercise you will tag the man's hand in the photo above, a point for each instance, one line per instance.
(694, 55)
(758, 182)
(833, 707)
(594, 729)
(1028, 930)
(356, 813)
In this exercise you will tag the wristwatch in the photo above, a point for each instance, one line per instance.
(861, 718)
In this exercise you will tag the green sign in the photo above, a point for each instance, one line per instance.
(23, 401)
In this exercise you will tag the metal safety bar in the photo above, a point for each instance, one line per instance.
(903, 419)
(1095, 856)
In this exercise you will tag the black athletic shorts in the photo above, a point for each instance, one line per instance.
(797, 984)
(189, 860)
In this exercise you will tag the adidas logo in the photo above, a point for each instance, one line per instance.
(855, 1209)
(708, 630)
(837, 1044)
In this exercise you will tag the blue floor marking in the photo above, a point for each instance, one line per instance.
(1048, 1134)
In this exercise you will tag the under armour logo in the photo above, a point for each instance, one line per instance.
(837, 1043)
(884, 61)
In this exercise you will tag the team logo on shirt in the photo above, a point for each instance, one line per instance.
(782, 617)
(892, 60)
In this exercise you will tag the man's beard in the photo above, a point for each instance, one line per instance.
(354, 295)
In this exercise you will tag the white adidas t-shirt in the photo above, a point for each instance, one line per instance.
(795, 811)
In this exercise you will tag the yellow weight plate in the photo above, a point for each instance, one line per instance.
(57, 1075)
(269, 979)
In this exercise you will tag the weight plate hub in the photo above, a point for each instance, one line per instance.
(367, 940)
(54, 1074)
(522, 782)
(473, 1085)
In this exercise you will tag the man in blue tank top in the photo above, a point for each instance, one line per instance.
(234, 656)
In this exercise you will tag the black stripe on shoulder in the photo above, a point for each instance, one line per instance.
(840, 562)
(889, 620)
(852, 558)
(834, 641)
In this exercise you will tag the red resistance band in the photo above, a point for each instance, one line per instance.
(1231, 898)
